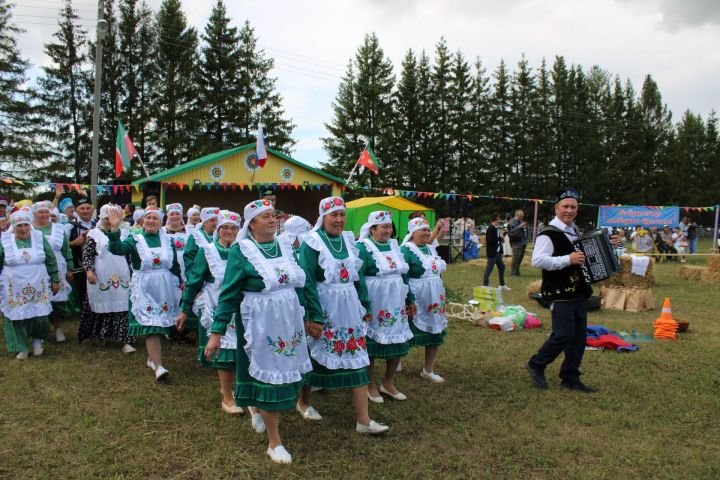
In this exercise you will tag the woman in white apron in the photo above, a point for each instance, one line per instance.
(28, 277)
(202, 290)
(261, 285)
(104, 315)
(155, 286)
(337, 310)
(177, 231)
(56, 236)
(385, 272)
(429, 324)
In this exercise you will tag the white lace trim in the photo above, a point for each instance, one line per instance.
(382, 263)
(328, 262)
(427, 259)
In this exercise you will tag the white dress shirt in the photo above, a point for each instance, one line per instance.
(542, 253)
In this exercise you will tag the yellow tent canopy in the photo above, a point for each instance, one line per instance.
(401, 208)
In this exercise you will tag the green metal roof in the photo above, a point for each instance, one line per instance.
(214, 157)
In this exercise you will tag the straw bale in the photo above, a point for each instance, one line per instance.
(708, 276)
(691, 273)
(714, 263)
(534, 287)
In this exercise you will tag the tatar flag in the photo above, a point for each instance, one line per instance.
(369, 160)
(260, 148)
(124, 150)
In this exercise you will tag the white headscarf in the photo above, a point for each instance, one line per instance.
(21, 217)
(175, 207)
(138, 214)
(207, 213)
(380, 217)
(191, 211)
(105, 211)
(54, 212)
(155, 210)
(252, 210)
(40, 206)
(328, 205)
(413, 226)
(226, 216)
(296, 228)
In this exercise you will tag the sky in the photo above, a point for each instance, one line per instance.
(312, 42)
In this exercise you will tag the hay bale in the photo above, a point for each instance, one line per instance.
(691, 273)
(534, 287)
(714, 263)
(624, 278)
(708, 276)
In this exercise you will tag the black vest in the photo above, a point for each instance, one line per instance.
(568, 283)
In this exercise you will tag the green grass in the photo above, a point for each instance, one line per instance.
(83, 412)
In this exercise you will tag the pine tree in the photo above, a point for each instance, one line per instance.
(480, 131)
(500, 137)
(258, 99)
(522, 125)
(425, 179)
(460, 116)
(19, 152)
(405, 126)
(441, 88)
(540, 167)
(656, 128)
(218, 69)
(365, 101)
(174, 90)
(66, 100)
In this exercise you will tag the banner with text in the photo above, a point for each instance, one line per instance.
(629, 216)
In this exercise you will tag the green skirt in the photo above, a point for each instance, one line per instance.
(60, 310)
(226, 359)
(18, 333)
(386, 352)
(137, 330)
(192, 324)
(250, 392)
(323, 377)
(425, 339)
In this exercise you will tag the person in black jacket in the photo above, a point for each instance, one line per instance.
(81, 225)
(565, 285)
(494, 252)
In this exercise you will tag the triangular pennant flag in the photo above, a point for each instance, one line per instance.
(181, 185)
(296, 186)
(208, 185)
(224, 186)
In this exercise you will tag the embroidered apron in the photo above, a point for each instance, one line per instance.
(274, 319)
(388, 293)
(154, 291)
(179, 239)
(342, 343)
(112, 288)
(429, 291)
(207, 301)
(55, 239)
(24, 281)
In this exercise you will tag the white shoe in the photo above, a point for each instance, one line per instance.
(279, 454)
(396, 396)
(59, 336)
(150, 365)
(22, 355)
(257, 422)
(399, 368)
(315, 389)
(374, 428)
(505, 287)
(432, 376)
(161, 373)
(232, 409)
(378, 399)
(37, 348)
(309, 413)
(127, 348)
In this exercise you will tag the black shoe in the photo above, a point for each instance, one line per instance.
(537, 376)
(579, 386)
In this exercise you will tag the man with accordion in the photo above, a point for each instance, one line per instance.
(566, 279)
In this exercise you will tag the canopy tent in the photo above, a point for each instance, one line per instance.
(401, 208)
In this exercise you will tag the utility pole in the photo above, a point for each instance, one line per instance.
(101, 30)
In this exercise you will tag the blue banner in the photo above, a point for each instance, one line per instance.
(629, 216)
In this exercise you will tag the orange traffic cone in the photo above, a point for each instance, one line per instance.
(665, 326)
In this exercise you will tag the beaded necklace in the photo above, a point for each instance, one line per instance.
(330, 242)
(268, 250)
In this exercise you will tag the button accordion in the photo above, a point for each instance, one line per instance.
(600, 259)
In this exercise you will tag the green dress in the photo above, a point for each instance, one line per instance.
(369, 269)
(60, 309)
(17, 333)
(128, 247)
(189, 255)
(198, 274)
(241, 276)
(322, 376)
(420, 338)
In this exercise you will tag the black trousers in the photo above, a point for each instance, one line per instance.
(517, 258)
(491, 262)
(80, 281)
(569, 328)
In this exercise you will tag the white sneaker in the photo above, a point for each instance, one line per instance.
(373, 428)
(150, 365)
(505, 287)
(257, 422)
(309, 413)
(432, 376)
(37, 348)
(59, 336)
(161, 373)
(22, 355)
(231, 409)
(127, 348)
(279, 455)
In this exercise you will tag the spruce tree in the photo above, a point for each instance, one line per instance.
(460, 123)
(500, 138)
(66, 100)
(441, 165)
(425, 178)
(480, 131)
(523, 126)
(405, 126)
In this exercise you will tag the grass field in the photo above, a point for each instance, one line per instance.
(85, 412)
